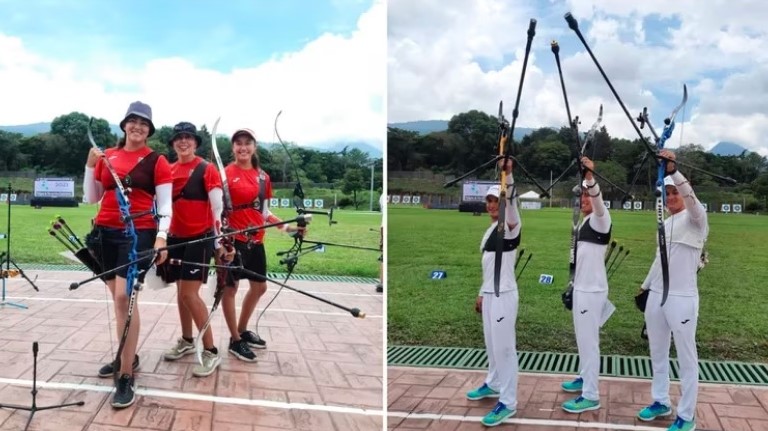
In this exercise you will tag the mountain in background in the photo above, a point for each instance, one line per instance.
(336, 147)
(333, 147)
(37, 128)
(422, 127)
(727, 149)
(371, 150)
(28, 129)
(430, 126)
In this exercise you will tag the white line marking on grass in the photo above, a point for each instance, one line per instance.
(199, 397)
(173, 304)
(531, 422)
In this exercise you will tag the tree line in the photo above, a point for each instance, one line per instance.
(63, 150)
(472, 139)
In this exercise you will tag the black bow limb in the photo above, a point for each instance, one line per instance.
(355, 312)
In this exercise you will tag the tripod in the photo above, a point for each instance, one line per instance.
(5, 258)
(34, 407)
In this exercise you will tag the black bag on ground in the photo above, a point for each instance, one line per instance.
(567, 298)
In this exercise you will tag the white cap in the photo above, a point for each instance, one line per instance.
(667, 182)
(243, 131)
(493, 191)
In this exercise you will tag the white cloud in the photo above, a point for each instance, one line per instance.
(333, 89)
(713, 47)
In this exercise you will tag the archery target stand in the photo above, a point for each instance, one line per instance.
(34, 408)
(5, 260)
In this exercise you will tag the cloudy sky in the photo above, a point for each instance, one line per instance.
(450, 56)
(322, 62)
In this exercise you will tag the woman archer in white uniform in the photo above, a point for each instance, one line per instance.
(590, 293)
(686, 231)
(500, 313)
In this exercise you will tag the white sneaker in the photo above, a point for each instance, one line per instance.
(182, 348)
(211, 361)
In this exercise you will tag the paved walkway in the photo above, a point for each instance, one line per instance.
(322, 370)
(433, 399)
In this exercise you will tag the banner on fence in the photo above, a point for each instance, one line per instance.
(530, 205)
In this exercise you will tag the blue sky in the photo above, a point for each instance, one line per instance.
(243, 54)
(221, 35)
(447, 57)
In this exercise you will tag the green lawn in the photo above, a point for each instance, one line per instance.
(732, 323)
(31, 243)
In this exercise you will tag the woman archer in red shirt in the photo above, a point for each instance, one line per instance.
(197, 206)
(146, 175)
(250, 189)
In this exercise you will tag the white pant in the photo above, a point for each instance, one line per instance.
(677, 318)
(499, 318)
(587, 313)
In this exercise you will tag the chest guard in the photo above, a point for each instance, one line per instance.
(142, 176)
(257, 203)
(194, 189)
(509, 244)
(587, 234)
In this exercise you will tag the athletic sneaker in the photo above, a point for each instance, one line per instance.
(253, 340)
(653, 411)
(484, 391)
(580, 405)
(573, 386)
(108, 370)
(241, 350)
(681, 425)
(124, 392)
(499, 414)
(211, 361)
(182, 348)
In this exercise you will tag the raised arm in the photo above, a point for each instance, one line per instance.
(512, 212)
(696, 212)
(601, 219)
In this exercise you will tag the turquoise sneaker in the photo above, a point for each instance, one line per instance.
(499, 414)
(653, 411)
(484, 391)
(681, 425)
(573, 386)
(580, 405)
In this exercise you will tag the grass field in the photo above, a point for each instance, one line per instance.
(421, 311)
(31, 243)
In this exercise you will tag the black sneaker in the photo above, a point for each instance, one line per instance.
(109, 369)
(241, 350)
(253, 340)
(124, 392)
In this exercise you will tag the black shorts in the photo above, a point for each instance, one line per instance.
(110, 246)
(200, 252)
(251, 257)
